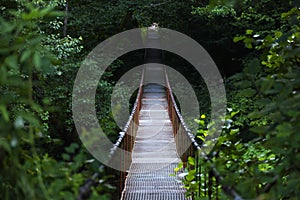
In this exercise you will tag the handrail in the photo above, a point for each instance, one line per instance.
(183, 144)
(127, 136)
(134, 117)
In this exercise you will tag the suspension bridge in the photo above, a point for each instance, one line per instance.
(159, 140)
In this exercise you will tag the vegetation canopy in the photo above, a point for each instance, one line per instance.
(255, 44)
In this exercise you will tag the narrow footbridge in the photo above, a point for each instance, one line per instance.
(154, 153)
(158, 140)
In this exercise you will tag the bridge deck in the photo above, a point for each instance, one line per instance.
(154, 155)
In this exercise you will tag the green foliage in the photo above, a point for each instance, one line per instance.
(100, 19)
(215, 12)
(257, 151)
(34, 163)
(215, 24)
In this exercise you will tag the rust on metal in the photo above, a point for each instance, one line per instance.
(154, 155)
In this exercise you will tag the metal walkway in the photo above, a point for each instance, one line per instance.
(154, 155)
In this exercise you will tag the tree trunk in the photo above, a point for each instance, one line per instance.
(66, 19)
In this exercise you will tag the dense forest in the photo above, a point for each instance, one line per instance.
(255, 44)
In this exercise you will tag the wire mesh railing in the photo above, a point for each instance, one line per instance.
(126, 140)
(209, 180)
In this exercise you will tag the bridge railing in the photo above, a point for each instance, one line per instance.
(116, 158)
(126, 138)
(209, 181)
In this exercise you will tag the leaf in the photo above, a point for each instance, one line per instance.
(201, 122)
(268, 39)
(234, 131)
(4, 112)
(232, 114)
(238, 38)
(259, 129)
(37, 61)
(243, 84)
(284, 130)
(278, 34)
(255, 115)
(248, 43)
(45, 11)
(200, 137)
(4, 144)
(249, 32)
(56, 14)
(25, 55)
(254, 66)
(3, 75)
(248, 92)
(191, 161)
(189, 177)
(66, 157)
(267, 83)
(239, 147)
(71, 149)
(12, 61)
(180, 165)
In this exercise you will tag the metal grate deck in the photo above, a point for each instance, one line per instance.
(154, 155)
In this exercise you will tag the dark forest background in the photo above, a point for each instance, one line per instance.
(255, 44)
